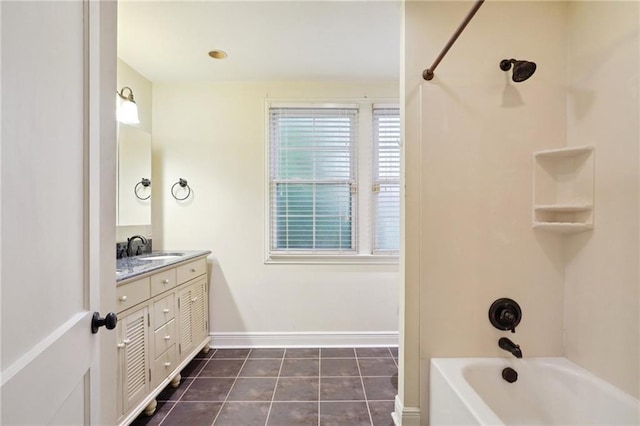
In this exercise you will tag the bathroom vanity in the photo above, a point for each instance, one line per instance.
(163, 322)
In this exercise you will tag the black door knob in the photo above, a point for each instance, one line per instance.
(109, 321)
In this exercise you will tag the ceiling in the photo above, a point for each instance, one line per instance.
(265, 40)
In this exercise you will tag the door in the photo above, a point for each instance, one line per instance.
(57, 192)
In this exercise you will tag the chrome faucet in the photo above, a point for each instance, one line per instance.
(130, 240)
(509, 346)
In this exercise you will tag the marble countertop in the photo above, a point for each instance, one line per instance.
(129, 267)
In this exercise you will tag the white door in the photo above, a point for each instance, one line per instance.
(57, 215)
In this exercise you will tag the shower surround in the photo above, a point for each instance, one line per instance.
(470, 135)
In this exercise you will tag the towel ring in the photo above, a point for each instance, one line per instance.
(183, 184)
(144, 183)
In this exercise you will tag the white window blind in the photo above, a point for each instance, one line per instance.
(386, 180)
(312, 179)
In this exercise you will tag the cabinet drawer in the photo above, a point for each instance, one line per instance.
(165, 337)
(132, 293)
(164, 365)
(164, 310)
(163, 281)
(191, 270)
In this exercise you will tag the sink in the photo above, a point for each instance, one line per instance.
(160, 256)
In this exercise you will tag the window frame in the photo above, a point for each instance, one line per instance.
(363, 216)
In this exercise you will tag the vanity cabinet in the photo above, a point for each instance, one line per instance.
(162, 325)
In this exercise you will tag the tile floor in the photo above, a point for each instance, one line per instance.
(282, 387)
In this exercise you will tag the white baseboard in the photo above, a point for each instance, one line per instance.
(405, 416)
(303, 339)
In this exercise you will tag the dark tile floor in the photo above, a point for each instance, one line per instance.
(282, 387)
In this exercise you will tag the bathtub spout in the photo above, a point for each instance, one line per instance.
(511, 347)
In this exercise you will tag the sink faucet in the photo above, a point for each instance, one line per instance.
(130, 240)
(509, 346)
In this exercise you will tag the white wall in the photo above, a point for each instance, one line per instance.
(213, 135)
(474, 132)
(602, 283)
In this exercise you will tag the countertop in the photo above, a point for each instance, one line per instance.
(129, 267)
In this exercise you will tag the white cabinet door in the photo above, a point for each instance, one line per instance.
(199, 310)
(185, 316)
(134, 329)
(192, 314)
(57, 211)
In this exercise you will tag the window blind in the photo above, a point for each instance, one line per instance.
(386, 180)
(313, 179)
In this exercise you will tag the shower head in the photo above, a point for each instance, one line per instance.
(522, 70)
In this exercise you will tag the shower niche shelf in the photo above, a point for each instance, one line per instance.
(563, 189)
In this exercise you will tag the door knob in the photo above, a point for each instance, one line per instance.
(109, 321)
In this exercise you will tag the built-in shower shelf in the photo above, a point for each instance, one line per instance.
(563, 208)
(562, 227)
(564, 153)
(563, 189)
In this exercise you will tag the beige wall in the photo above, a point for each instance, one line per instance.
(470, 195)
(601, 277)
(213, 135)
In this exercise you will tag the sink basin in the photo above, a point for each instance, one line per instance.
(160, 256)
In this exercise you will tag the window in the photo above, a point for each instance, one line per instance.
(321, 175)
(386, 179)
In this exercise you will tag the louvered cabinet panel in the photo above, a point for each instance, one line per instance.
(135, 365)
(193, 315)
(199, 314)
(186, 321)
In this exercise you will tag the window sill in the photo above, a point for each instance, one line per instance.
(318, 259)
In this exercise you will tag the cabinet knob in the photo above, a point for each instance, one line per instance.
(167, 364)
(165, 281)
(167, 337)
(123, 298)
(165, 310)
(194, 300)
(126, 341)
(120, 345)
(193, 269)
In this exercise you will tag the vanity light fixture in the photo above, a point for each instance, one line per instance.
(127, 110)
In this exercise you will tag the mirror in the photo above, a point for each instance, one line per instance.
(134, 176)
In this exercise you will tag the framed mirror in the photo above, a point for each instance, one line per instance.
(134, 177)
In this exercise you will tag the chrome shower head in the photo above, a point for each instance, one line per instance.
(522, 70)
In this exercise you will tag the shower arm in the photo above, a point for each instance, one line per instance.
(428, 73)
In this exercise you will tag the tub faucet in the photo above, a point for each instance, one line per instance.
(509, 346)
(130, 240)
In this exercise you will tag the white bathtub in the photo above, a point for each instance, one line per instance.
(549, 391)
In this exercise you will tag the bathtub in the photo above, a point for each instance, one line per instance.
(548, 391)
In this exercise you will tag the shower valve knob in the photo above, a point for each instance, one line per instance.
(505, 314)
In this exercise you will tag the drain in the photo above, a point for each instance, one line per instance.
(510, 375)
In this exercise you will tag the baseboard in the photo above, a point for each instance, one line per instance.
(303, 339)
(405, 416)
